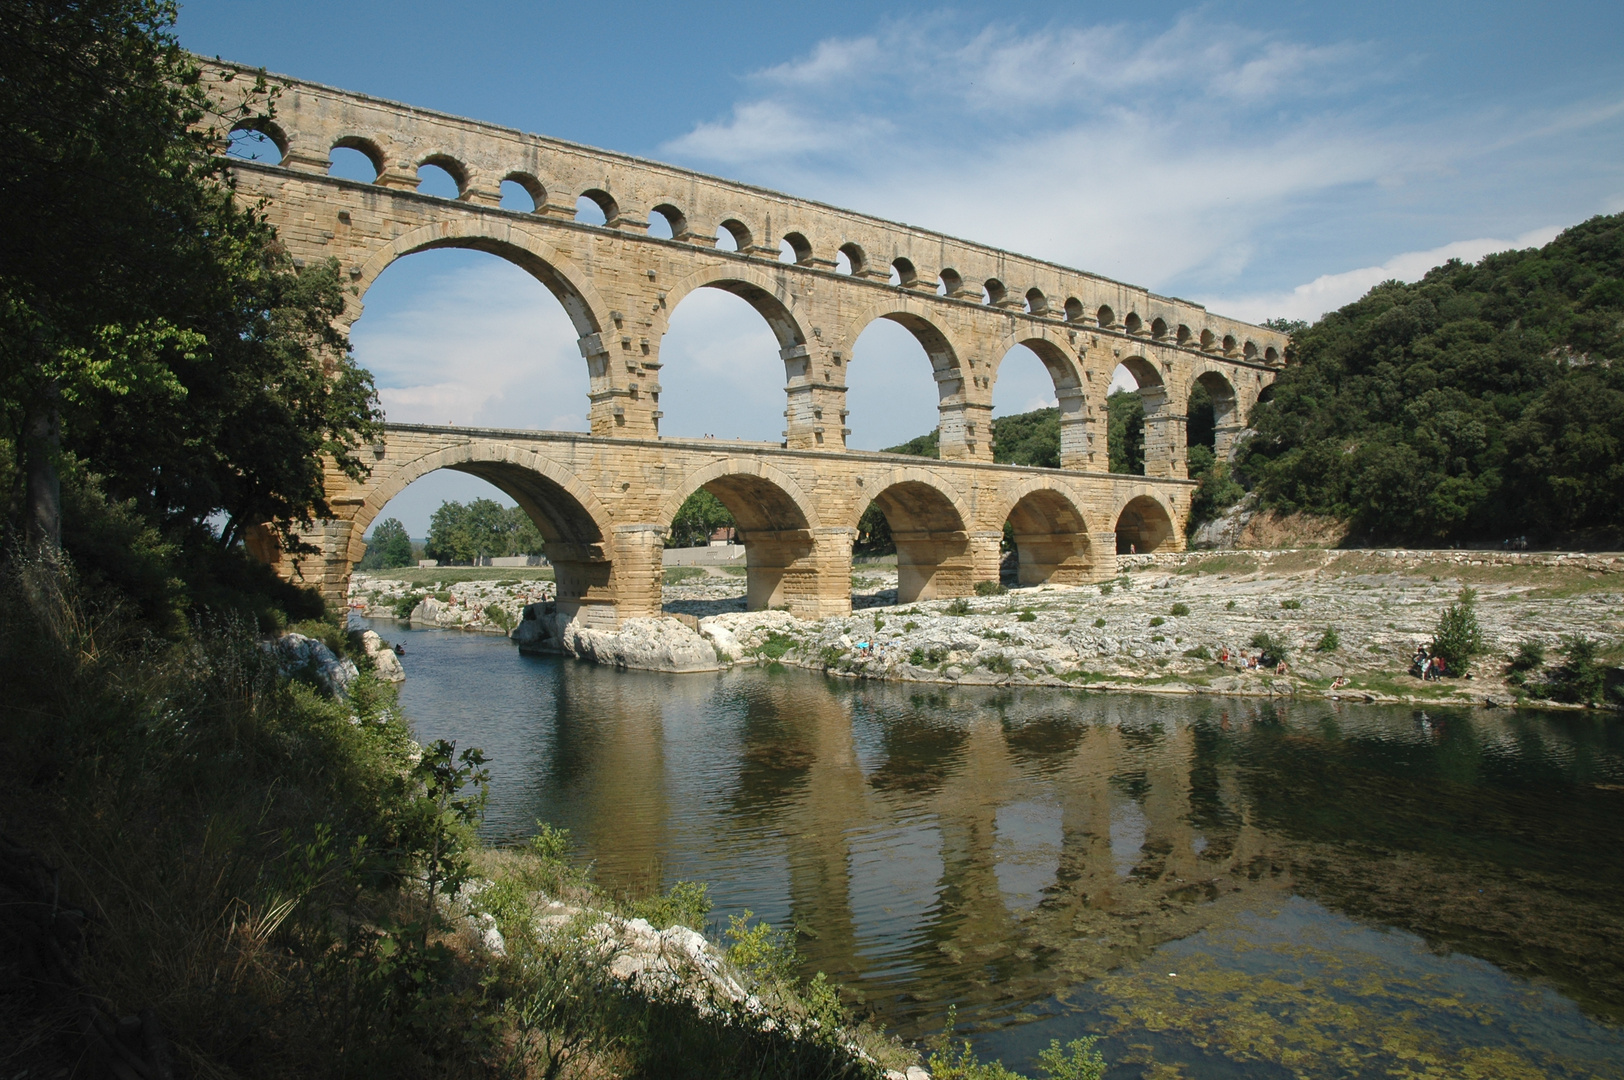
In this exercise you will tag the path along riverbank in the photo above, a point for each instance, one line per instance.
(1165, 625)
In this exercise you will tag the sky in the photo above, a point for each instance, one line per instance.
(1266, 159)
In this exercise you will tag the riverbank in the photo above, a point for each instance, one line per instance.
(1176, 623)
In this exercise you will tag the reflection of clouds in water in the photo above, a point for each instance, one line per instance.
(896, 875)
(1128, 826)
(1028, 851)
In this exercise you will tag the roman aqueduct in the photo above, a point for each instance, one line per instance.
(818, 275)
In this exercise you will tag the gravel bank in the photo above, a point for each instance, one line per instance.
(1163, 625)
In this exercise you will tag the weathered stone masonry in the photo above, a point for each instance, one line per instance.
(604, 501)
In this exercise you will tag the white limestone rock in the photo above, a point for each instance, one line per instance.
(662, 644)
(295, 652)
(383, 658)
(726, 644)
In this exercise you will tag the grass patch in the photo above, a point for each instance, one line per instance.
(991, 588)
(959, 607)
(1179, 609)
(1157, 620)
(1027, 615)
(676, 575)
(1099, 624)
(736, 571)
(1291, 605)
(999, 664)
(1220, 564)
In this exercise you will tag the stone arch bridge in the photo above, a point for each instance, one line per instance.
(819, 276)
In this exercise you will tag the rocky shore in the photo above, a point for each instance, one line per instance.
(1170, 623)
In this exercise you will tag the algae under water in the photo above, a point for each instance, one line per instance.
(1219, 887)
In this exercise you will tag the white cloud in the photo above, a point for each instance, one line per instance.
(1177, 156)
(1331, 291)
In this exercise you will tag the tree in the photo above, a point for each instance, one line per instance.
(150, 327)
(1125, 432)
(700, 515)
(1458, 637)
(874, 533)
(1030, 438)
(389, 547)
(481, 529)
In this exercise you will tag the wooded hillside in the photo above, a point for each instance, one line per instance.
(1481, 402)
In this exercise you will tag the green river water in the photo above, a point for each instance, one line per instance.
(1217, 887)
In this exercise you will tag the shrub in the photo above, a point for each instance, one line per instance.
(775, 646)
(1200, 652)
(1458, 637)
(1099, 624)
(685, 904)
(991, 588)
(952, 1059)
(1530, 657)
(1230, 606)
(1330, 641)
(1158, 639)
(1579, 679)
(910, 625)
(831, 655)
(999, 663)
(499, 615)
(1027, 616)
(927, 657)
(1291, 605)
(1079, 1061)
(404, 606)
(1273, 649)
(1157, 620)
(961, 606)
(1105, 590)
(1179, 609)
(760, 950)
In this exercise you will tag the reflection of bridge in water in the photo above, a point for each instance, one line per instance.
(818, 276)
(994, 848)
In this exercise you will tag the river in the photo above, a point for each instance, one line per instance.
(1218, 888)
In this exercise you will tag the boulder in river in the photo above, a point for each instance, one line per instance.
(662, 644)
(383, 657)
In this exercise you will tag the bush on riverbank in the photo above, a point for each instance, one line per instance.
(193, 836)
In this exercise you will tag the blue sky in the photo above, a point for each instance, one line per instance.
(1263, 158)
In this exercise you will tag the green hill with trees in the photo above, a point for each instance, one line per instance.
(1481, 402)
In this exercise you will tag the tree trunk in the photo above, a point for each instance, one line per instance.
(44, 492)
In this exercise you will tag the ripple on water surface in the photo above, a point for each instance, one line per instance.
(1219, 888)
